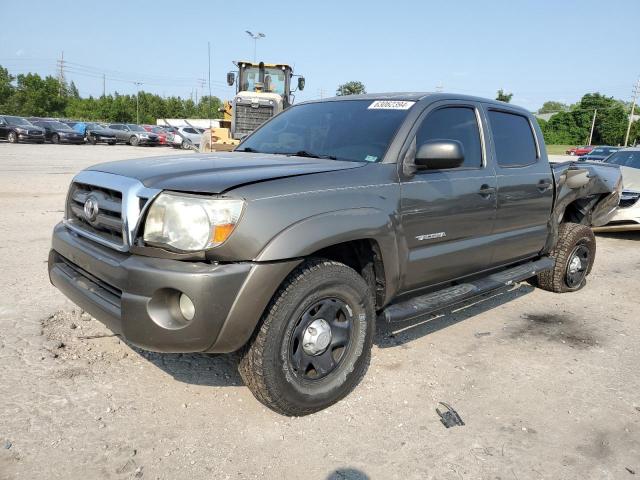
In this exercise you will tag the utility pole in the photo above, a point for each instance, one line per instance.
(61, 79)
(321, 90)
(104, 85)
(137, 84)
(593, 124)
(201, 83)
(636, 91)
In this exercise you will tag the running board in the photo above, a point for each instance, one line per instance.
(447, 297)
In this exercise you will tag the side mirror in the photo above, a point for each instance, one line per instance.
(231, 79)
(301, 83)
(439, 155)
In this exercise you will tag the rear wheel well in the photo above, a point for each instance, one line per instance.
(579, 211)
(365, 258)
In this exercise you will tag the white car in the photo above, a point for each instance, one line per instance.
(628, 215)
(187, 136)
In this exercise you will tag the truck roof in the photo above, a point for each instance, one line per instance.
(418, 96)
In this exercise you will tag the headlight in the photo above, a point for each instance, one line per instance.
(144, 135)
(21, 130)
(191, 223)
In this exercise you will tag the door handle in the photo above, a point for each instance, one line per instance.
(544, 184)
(486, 191)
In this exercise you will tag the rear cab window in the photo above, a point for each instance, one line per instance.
(513, 139)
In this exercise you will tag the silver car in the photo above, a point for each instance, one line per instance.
(134, 134)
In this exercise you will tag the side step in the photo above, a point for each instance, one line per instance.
(431, 302)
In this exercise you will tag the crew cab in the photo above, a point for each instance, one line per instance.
(331, 216)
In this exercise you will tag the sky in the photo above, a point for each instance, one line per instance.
(538, 50)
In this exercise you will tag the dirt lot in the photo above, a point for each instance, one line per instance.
(548, 385)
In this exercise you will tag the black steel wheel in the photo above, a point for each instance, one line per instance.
(577, 266)
(574, 253)
(313, 344)
(320, 339)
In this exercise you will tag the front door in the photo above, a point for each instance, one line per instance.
(447, 215)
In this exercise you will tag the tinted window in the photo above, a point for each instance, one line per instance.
(513, 139)
(189, 130)
(625, 159)
(454, 123)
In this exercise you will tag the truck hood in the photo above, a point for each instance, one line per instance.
(218, 172)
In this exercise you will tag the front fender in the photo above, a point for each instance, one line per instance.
(314, 233)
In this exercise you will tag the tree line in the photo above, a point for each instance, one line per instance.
(32, 95)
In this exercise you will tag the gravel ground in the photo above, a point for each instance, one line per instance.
(547, 384)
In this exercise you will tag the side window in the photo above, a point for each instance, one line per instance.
(513, 139)
(454, 123)
(189, 130)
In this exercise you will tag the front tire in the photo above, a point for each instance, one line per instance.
(55, 138)
(574, 253)
(12, 137)
(134, 141)
(313, 345)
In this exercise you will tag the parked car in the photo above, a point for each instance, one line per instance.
(96, 133)
(185, 137)
(19, 129)
(628, 215)
(164, 137)
(598, 154)
(580, 150)
(332, 214)
(58, 132)
(134, 134)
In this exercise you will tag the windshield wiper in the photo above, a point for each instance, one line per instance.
(247, 149)
(304, 153)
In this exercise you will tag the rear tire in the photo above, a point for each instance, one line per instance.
(288, 378)
(574, 254)
(13, 137)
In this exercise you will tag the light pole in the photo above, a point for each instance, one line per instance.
(256, 37)
(137, 84)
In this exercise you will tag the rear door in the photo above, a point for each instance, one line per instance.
(447, 215)
(525, 186)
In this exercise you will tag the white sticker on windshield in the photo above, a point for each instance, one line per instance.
(370, 158)
(391, 105)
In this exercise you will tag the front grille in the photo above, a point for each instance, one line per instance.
(249, 118)
(628, 199)
(107, 223)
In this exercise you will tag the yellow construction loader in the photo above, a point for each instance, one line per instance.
(262, 91)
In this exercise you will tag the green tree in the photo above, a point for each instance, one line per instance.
(6, 90)
(503, 96)
(553, 106)
(351, 88)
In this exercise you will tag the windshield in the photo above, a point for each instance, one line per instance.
(602, 151)
(625, 159)
(274, 79)
(342, 130)
(18, 121)
(136, 128)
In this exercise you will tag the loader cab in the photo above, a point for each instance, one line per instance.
(262, 91)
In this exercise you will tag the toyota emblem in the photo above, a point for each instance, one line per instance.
(91, 209)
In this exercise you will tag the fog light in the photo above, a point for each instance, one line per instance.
(187, 308)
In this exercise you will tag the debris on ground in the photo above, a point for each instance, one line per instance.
(450, 417)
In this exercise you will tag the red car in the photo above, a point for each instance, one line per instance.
(581, 150)
(163, 135)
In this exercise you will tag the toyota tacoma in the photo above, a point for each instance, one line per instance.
(333, 215)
